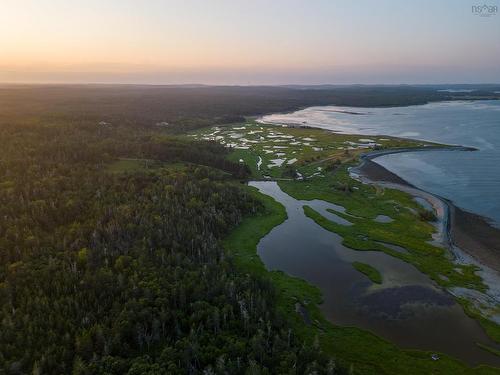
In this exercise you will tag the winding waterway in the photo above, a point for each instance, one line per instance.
(407, 308)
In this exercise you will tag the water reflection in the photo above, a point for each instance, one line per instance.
(407, 308)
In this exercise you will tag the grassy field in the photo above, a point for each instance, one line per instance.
(371, 272)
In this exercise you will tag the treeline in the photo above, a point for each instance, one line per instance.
(104, 273)
(181, 108)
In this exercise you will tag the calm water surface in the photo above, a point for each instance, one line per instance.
(407, 308)
(470, 179)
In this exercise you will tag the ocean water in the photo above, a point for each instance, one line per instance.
(470, 179)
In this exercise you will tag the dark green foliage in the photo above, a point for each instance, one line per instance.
(371, 272)
(289, 172)
(113, 273)
(332, 165)
(427, 215)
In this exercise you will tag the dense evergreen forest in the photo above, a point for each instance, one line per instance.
(113, 273)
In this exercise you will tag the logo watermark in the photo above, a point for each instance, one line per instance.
(484, 10)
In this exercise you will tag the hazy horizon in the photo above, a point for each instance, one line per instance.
(241, 43)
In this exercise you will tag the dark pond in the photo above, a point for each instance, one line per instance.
(407, 308)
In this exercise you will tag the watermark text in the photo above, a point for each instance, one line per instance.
(484, 10)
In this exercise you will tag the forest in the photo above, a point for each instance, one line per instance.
(106, 272)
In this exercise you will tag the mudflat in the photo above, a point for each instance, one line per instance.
(475, 235)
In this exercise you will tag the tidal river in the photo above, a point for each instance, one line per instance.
(407, 308)
(471, 180)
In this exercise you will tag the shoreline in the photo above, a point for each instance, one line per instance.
(469, 237)
(344, 342)
(370, 172)
(258, 117)
(462, 226)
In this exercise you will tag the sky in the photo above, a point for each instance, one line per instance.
(249, 42)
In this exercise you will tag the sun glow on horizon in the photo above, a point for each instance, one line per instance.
(237, 42)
